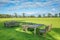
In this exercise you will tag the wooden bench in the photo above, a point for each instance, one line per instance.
(44, 31)
(35, 26)
(11, 23)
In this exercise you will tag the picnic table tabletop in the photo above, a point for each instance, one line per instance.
(35, 26)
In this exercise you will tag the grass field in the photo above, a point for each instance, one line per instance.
(16, 33)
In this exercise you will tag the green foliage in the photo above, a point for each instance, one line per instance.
(5, 16)
(23, 14)
(29, 16)
(56, 15)
(49, 15)
(44, 15)
(39, 15)
(32, 16)
(16, 15)
(59, 14)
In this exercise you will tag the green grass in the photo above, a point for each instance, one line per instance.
(18, 34)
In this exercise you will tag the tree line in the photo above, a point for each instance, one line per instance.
(32, 16)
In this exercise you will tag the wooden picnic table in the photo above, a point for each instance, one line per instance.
(35, 26)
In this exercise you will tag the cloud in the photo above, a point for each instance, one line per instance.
(53, 9)
(29, 13)
(25, 4)
(31, 5)
(34, 3)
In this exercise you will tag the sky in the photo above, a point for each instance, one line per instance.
(29, 7)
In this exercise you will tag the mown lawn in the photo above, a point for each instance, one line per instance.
(17, 33)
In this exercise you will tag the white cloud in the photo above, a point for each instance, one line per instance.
(30, 5)
(53, 9)
(29, 13)
(24, 5)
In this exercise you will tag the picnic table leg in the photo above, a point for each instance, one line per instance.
(35, 31)
(26, 29)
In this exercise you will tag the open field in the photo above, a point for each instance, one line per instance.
(17, 33)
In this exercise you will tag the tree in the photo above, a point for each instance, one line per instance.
(16, 15)
(59, 14)
(39, 15)
(32, 16)
(43, 15)
(0, 15)
(56, 15)
(49, 15)
(5, 16)
(23, 14)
